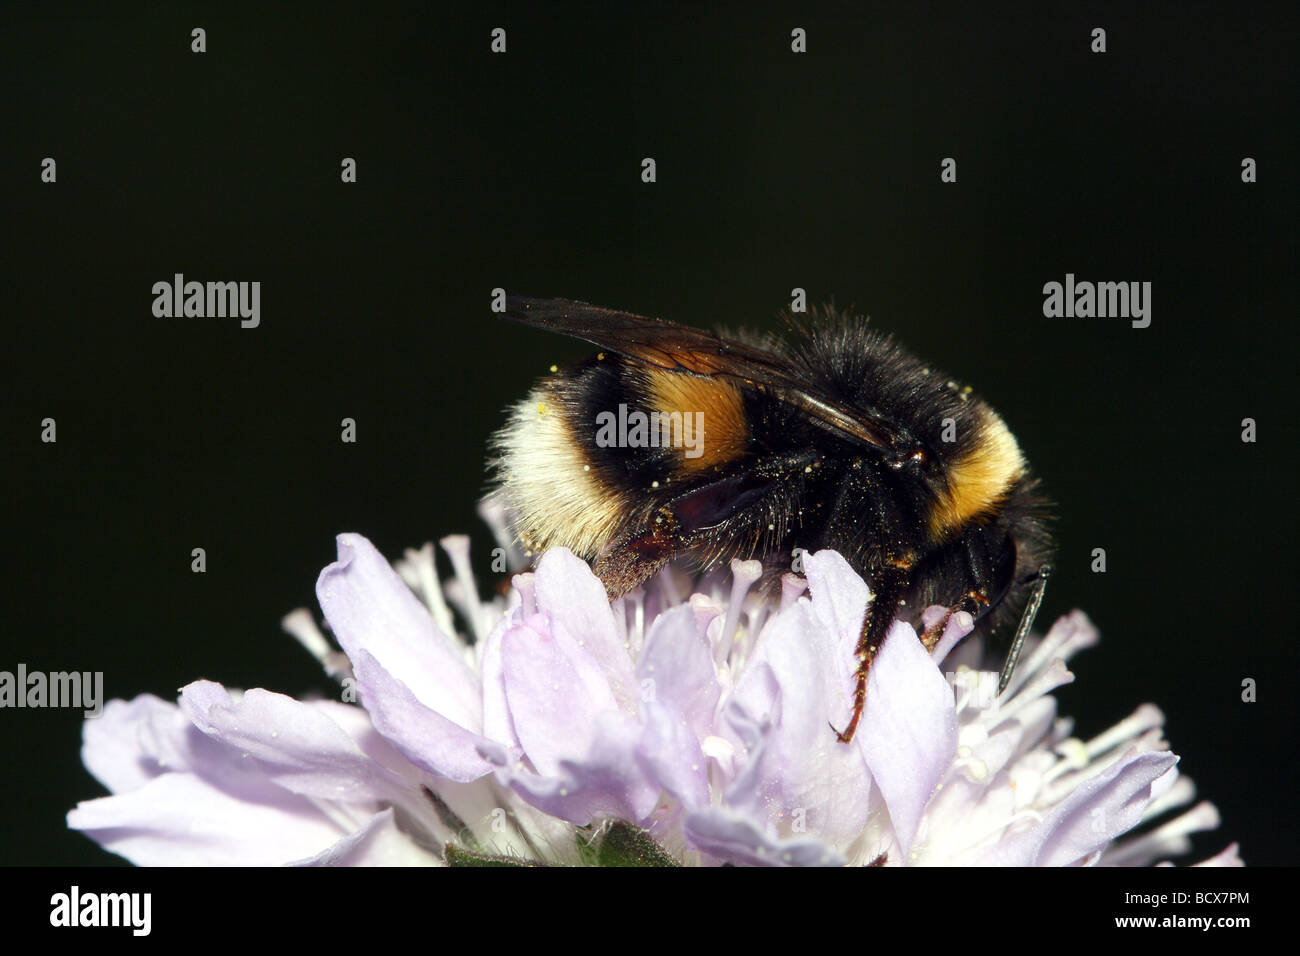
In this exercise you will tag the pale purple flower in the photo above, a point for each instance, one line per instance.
(703, 720)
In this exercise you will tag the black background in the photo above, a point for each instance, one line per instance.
(523, 171)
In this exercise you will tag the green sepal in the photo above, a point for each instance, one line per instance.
(457, 856)
(588, 840)
(622, 844)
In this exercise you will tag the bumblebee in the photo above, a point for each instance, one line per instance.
(674, 443)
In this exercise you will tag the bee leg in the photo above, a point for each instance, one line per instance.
(972, 602)
(635, 557)
(981, 577)
(880, 613)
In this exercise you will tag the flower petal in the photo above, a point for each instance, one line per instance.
(753, 788)
(678, 666)
(369, 608)
(570, 594)
(1093, 814)
(671, 755)
(497, 721)
(821, 782)
(734, 838)
(425, 737)
(378, 843)
(1228, 856)
(164, 740)
(293, 743)
(909, 728)
(839, 597)
(556, 691)
(180, 819)
(132, 742)
(607, 782)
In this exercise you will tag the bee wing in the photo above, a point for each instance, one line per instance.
(682, 349)
(666, 345)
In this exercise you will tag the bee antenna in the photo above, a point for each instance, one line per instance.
(1026, 622)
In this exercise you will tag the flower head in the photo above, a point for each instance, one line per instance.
(668, 727)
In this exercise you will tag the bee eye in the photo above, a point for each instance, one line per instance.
(1004, 569)
(710, 506)
(917, 458)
